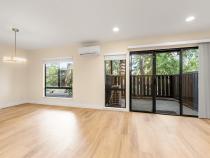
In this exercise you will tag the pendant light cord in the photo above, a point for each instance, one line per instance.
(15, 43)
(15, 30)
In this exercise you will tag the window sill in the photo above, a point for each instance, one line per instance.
(70, 98)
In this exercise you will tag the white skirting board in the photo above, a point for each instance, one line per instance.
(13, 103)
(70, 104)
(78, 105)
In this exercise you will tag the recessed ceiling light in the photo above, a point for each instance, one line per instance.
(190, 18)
(116, 29)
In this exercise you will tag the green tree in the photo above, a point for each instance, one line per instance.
(52, 75)
(190, 60)
(166, 63)
(116, 66)
(142, 64)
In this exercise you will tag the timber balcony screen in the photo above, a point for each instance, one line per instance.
(167, 87)
(115, 89)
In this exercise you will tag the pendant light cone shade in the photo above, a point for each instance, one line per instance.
(14, 58)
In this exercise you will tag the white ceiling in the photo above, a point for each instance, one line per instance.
(46, 23)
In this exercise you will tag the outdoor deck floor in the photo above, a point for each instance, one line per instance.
(162, 106)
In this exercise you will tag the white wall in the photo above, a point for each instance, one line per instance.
(25, 82)
(88, 76)
(13, 79)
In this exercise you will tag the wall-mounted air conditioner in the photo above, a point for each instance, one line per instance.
(91, 50)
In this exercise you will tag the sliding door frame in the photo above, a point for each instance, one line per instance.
(153, 85)
(125, 90)
(180, 81)
(153, 90)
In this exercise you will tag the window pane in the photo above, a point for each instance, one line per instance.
(167, 82)
(190, 82)
(65, 75)
(115, 83)
(190, 60)
(141, 82)
(142, 64)
(108, 67)
(52, 75)
(58, 92)
(116, 67)
(59, 80)
(167, 63)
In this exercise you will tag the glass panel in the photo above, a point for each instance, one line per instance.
(190, 82)
(52, 75)
(141, 82)
(65, 75)
(58, 92)
(59, 80)
(115, 84)
(167, 83)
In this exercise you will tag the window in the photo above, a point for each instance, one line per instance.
(58, 78)
(115, 77)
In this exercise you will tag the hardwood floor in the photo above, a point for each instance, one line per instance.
(38, 131)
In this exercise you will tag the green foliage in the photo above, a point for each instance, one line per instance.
(114, 66)
(166, 63)
(69, 91)
(66, 76)
(52, 75)
(190, 60)
(142, 64)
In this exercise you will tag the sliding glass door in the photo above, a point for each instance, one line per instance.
(165, 81)
(142, 82)
(190, 82)
(115, 81)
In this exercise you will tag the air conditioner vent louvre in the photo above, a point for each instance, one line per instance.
(91, 50)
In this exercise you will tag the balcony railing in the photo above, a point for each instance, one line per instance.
(167, 87)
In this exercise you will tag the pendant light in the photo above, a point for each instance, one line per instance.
(14, 58)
